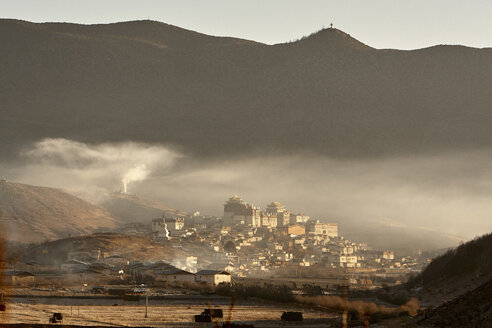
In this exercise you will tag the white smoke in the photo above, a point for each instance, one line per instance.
(137, 173)
(166, 232)
(92, 168)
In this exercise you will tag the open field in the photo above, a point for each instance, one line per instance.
(161, 313)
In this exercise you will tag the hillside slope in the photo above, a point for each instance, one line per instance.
(153, 82)
(132, 208)
(130, 247)
(33, 214)
(473, 309)
(455, 272)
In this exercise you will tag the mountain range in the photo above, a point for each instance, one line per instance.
(216, 96)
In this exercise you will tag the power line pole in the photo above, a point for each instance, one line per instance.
(146, 303)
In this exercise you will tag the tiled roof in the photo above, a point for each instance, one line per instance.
(212, 272)
(171, 272)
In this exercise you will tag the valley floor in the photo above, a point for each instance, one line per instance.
(163, 313)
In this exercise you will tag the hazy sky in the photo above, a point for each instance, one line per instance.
(397, 24)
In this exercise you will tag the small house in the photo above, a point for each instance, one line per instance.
(174, 275)
(19, 278)
(213, 277)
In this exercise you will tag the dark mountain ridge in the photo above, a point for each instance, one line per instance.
(214, 96)
(455, 272)
(473, 258)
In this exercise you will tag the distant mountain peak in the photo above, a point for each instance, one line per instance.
(335, 39)
(144, 81)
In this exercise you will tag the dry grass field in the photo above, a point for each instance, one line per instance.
(160, 314)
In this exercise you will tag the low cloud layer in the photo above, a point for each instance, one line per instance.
(91, 168)
(448, 192)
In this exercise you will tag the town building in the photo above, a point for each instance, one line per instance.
(236, 211)
(268, 220)
(174, 275)
(283, 218)
(299, 218)
(296, 229)
(318, 228)
(213, 277)
(174, 225)
(349, 261)
(275, 208)
(18, 278)
(159, 228)
(389, 255)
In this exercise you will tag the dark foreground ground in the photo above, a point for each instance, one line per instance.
(32, 325)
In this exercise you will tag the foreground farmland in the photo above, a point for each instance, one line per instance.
(162, 313)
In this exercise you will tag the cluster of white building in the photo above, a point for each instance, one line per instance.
(238, 212)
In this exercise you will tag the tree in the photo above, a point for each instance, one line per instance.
(230, 247)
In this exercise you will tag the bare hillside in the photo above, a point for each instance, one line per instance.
(133, 208)
(33, 214)
(131, 247)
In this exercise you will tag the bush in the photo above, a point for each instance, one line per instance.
(268, 292)
(473, 257)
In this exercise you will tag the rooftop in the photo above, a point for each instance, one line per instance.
(212, 272)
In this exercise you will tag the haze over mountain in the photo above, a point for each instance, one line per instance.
(327, 125)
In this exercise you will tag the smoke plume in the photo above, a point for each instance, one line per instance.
(137, 173)
(92, 168)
